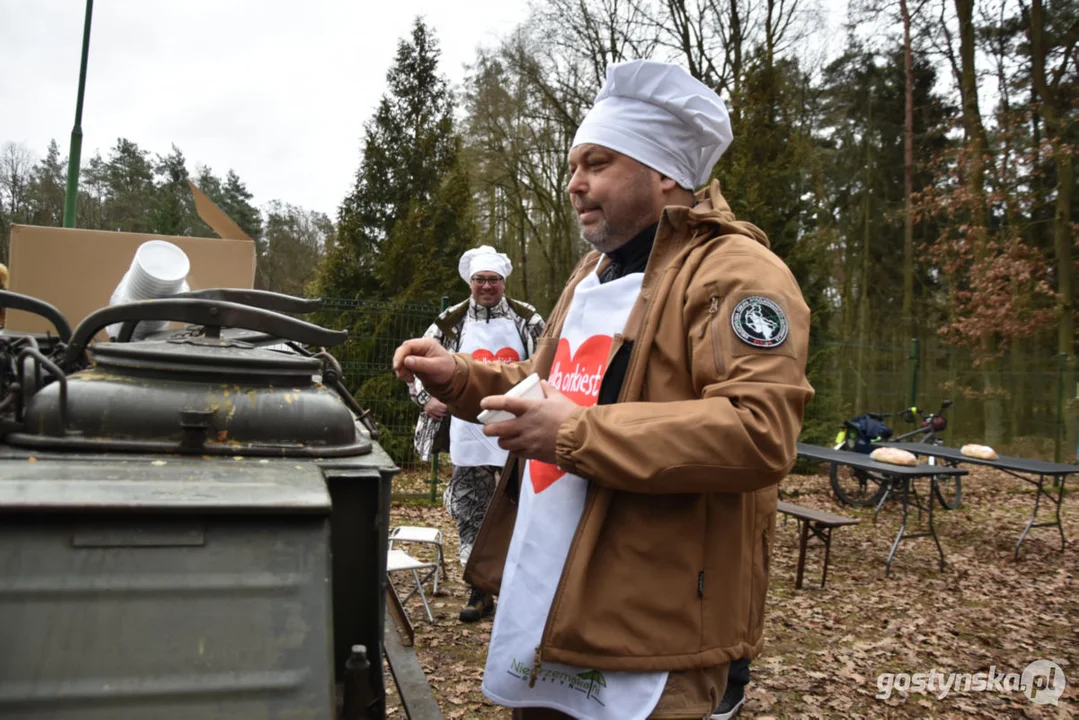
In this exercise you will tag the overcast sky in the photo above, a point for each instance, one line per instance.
(278, 90)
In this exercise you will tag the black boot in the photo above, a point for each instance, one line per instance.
(733, 699)
(480, 605)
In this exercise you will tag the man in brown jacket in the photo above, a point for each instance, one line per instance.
(630, 534)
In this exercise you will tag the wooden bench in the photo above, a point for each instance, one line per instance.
(820, 524)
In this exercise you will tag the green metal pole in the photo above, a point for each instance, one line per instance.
(434, 477)
(434, 455)
(72, 194)
(1058, 445)
(914, 355)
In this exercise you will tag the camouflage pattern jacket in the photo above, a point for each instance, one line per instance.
(433, 435)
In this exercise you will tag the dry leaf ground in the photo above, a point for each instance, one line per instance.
(826, 647)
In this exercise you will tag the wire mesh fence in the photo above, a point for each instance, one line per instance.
(1023, 403)
(376, 328)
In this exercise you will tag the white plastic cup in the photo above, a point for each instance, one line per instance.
(159, 269)
(528, 388)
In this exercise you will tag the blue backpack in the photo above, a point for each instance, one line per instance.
(864, 431)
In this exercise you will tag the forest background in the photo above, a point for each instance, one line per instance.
(919, 184)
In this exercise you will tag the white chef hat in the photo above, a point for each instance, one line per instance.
(484, 257)
(661, 116)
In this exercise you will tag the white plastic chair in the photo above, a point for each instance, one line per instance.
(422, 536)
(399, 560)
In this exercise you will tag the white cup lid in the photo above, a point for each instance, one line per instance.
(163, 260)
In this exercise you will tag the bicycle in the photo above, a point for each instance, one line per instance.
(862, 433)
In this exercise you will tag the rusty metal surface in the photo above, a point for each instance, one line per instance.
(396, 611)
(416, 695)
(117, 412)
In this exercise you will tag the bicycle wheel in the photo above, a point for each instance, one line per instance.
(948, 488)
(856, 487)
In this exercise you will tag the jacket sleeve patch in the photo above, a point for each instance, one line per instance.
(756, 322)
(760, 322)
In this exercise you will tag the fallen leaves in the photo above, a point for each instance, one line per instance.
(825, 648)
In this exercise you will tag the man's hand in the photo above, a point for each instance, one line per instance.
(435, 408)
(532, 434)
(423, 358)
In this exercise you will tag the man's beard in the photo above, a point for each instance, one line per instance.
(629, 211)
(606, 239)
(600, 237)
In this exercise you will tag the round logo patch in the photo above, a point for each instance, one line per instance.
(760, 322)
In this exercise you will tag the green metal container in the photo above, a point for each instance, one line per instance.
(170, 590)
(191, 526)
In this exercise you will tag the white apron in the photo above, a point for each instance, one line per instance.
(495, 340)
(550, 507)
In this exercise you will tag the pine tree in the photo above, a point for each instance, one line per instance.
(236, 202)
(174, 208)
(408, 217)
(47, 188)
(765, 174)
(209, 183)
(129, 188)
(402, 228)
(234, 199)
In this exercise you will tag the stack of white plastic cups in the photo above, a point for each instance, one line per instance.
(159, 269)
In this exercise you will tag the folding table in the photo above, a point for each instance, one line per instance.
(905, 474)
(1021, 468)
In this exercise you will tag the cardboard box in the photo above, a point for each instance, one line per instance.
(78, 270)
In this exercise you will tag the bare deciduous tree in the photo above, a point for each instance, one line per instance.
(16, 163)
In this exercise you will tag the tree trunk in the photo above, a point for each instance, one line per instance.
(863, 300)
(908, 179)
(992, 387)
(977, 143)
(1018, 415)
(1062, 246)
(977, 149)
(952, 379)
(1062, 242)
(862, 371)
(1062, 229)
(847, 331)
(772, 17)
(736, 63)
(522, 240)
